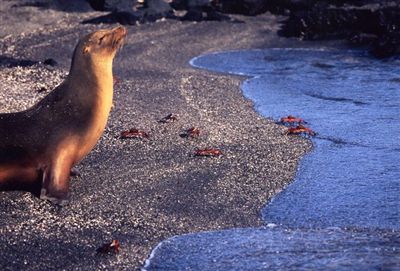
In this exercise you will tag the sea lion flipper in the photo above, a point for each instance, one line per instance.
(55, 184)
(54, 200)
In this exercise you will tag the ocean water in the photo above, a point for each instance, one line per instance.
(342, 212)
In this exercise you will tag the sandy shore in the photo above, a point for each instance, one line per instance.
(142, 192)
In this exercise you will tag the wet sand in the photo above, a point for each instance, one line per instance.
(144, 191)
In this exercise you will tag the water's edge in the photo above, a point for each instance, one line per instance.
(163, 244)
(294, 241)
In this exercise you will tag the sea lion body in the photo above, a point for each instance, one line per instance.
(39, 146)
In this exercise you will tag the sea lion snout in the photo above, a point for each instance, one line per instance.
(120, 31)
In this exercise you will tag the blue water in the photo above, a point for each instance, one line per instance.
(343, 209)
(278, 249)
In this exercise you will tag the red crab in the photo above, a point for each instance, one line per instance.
(134, 133)
(193, 132)
(300, 129)
(109, 247)
(291, 120)
(208, 152)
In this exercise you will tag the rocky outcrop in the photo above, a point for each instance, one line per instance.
(130, 11)
(244, 7)
(198, 10)
(133, 11)
(370, 23)
(366, 23)
(112, 5)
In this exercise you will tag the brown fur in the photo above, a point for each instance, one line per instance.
(39, 146)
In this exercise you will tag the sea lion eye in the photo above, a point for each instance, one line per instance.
(101, 39)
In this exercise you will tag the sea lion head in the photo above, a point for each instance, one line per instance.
(101, 45)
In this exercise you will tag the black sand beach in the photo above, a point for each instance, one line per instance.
(143, 191)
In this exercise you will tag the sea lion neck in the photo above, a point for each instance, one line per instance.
(94, 73)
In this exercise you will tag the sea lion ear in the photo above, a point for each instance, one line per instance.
(86, 49)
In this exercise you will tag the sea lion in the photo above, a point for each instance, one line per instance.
(39, 146)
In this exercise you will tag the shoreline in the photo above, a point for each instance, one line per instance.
(143, 192)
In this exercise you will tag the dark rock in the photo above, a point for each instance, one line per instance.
(157, 6)
(363, 38)
(213, 15)
(113, 5)
(63, 5)
(385, 46)
(97, 4)
(70, 6)
(123, 17)
(37, 4)
(132, 12)
(50, 62)
(13, 62)
(41, 90)
(193, 15)
(204, 15)
(374, 25)
(245, 7)
(190, 4)
(24, 63)
(213, 7)
(199, 10)
(149, 6)
(280, 6)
